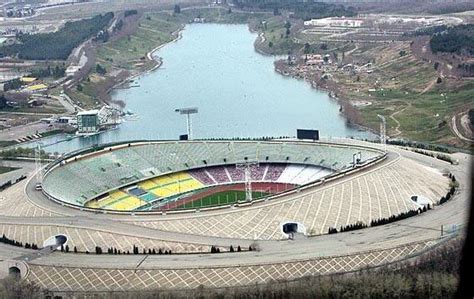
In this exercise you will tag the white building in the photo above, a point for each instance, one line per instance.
(88, 122)
(335, 22)
(72, 70)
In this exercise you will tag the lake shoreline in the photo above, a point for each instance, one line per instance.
(157, 63)
(332, 93)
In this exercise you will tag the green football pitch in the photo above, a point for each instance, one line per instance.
(222, 198)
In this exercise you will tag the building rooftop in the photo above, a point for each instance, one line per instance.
(88, 112)
(36, 87)
(28, 79)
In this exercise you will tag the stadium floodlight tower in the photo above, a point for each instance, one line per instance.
(383, 132)
(187, 112)
(247, 169)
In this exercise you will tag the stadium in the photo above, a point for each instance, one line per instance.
(265, 209)
(150, 176)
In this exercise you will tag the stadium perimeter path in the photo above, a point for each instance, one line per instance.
(108, 223)
(422, 227)
(276, 258)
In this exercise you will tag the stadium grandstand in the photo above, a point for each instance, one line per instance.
(147, 175)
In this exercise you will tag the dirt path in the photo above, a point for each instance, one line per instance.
(432, 83)
(456, 131)
(348, 53)
(429, 86)
(392, 116)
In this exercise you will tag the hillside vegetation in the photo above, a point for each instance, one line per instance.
(304, 10)
(56, 45)
(454, 40)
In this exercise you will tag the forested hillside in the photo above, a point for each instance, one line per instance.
(456, 39)
(305, 10)
(56, 45)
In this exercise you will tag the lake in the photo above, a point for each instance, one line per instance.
(238, 94)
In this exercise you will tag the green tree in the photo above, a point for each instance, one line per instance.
(100, 69)
(287, 26)
(307, 48)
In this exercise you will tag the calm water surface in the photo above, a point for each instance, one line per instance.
(238, 93)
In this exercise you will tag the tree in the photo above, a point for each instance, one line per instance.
(3, 102)
(100, 69)
(307, 48)
(287, 26)
(12, 84)
(177, 9)
(270, 44)
(130, 12)
(118, 26)
(471, 116)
